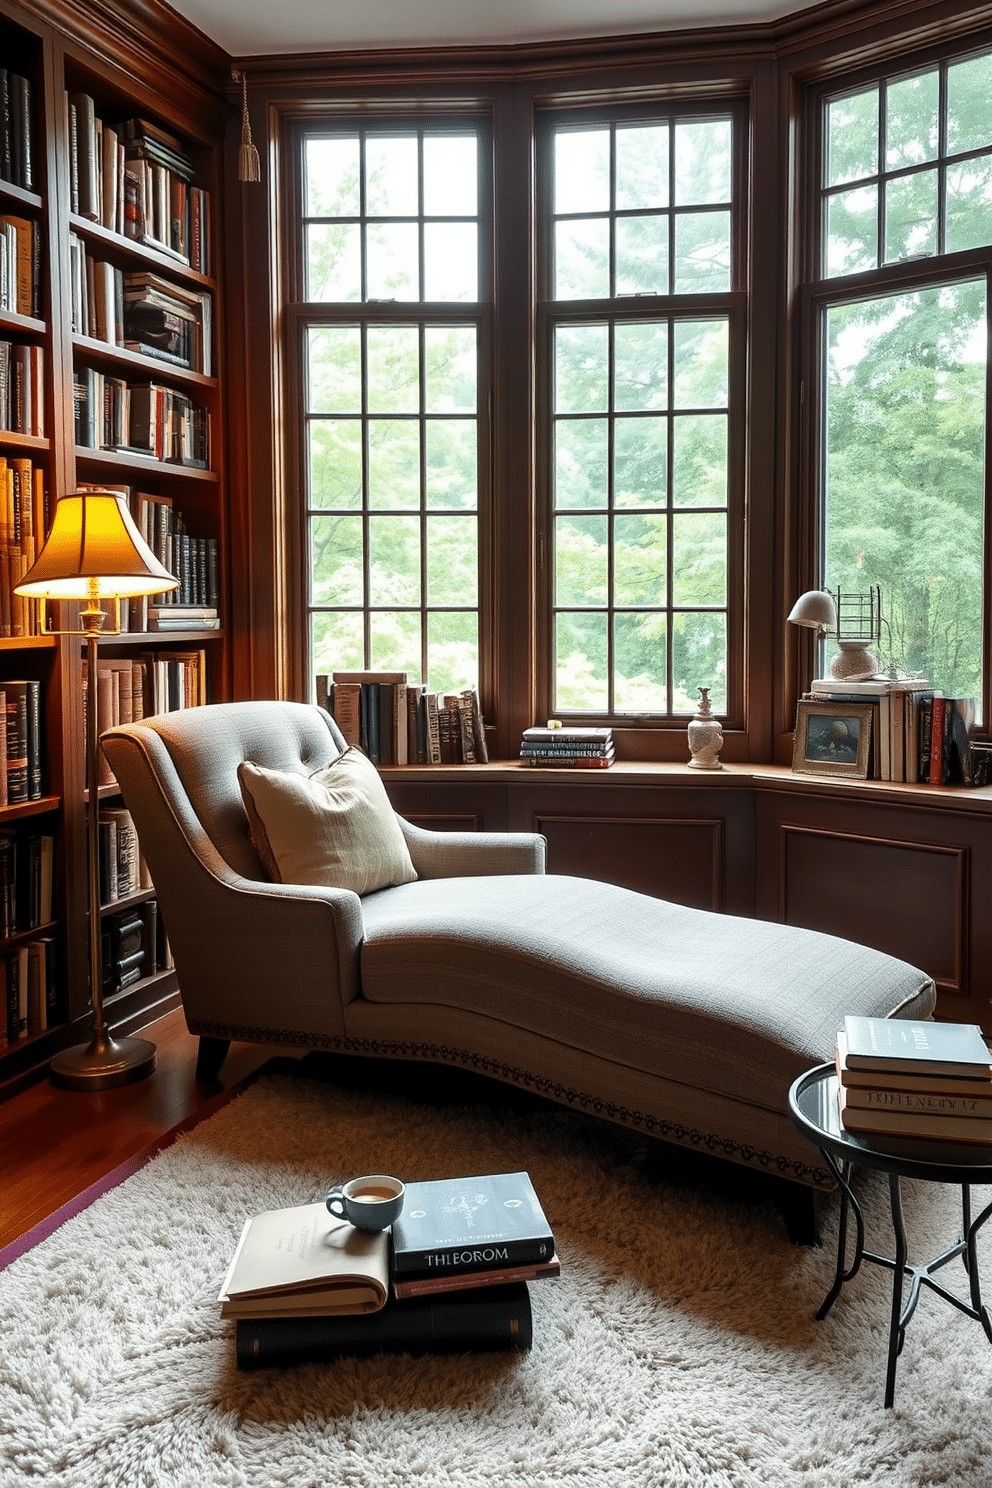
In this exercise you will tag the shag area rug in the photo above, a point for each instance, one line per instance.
(679, 1347)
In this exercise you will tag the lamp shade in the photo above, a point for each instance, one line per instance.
(94, 550)
(815, 609)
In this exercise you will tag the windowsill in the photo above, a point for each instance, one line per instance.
(628, 773)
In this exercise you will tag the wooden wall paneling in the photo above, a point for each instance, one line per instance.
(665, 857)
(450, 806)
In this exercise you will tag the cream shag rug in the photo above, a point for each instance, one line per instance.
(678, 1348)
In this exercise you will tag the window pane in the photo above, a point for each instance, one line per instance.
(702, 162)
(969, 119)
(641, 373)
(452, 561)
(911, 216)
(451, 261)
(452, 650)
(642, 255)
(582, 171)
(904, 472)
(451, 168)
(642, 166)
(969, 204)
(394, 463)
(640, 462)
(582, 259)
(452, 463)
(393, 369)
(581, 462)
(852, 137)
(335, 463)
(336, 640)
(332, 174)
(395, 640)
(392, 260)
(912, 120)
(581, 369)
(640, 661)
(394, 560)
(334, 262)
(852, 231)
(702, 252)
(699, 559)
(699, 474)
(336, 560)
(699, 659)
(451, 365)
(391, 177)
(701, 372)
(641, 560)
(581, 662)
(334, 369)
(581, 560)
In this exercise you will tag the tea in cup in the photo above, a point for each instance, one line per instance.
(369, 1203)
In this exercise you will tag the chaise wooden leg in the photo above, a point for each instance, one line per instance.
(800, 1209)
(210, 1056)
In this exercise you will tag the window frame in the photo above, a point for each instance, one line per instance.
(734, 305)
(818, 294)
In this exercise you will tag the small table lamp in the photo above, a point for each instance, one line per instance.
(95, 552)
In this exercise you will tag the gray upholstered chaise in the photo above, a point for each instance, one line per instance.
(683, 1023)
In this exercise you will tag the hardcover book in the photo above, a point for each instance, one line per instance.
(470, 1224)
(487, 1319)
(302, 1261)
(878, 1081)
(460, 1281)
(945, 1128)
(922, 1047)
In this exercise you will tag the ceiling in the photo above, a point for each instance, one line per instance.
(260, 27)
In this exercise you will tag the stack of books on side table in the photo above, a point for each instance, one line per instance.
(898, 1077)
(305, 1287)
(556, 747)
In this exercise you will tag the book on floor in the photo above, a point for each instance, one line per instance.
(479, 1321)
(470, 1224)
(925, 1048)
(425, 1284)
(302, 1261)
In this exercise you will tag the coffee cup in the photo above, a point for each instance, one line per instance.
(369, 1203)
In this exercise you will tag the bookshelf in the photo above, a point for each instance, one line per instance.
(111, 322)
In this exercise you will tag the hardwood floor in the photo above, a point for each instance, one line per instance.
(55, 1143)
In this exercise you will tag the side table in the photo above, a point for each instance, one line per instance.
(813, 1107)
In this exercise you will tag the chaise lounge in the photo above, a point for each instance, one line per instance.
(682, 1023)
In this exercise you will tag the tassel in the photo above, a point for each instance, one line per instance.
(249, 165)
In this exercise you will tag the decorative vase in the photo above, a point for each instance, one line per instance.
(705, 736)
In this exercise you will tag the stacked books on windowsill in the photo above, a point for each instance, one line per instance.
(305, 1287)
(898, 1077)
(562, 748)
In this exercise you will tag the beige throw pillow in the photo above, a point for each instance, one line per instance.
(335, 827)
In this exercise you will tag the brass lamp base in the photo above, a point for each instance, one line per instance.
(103, 1064)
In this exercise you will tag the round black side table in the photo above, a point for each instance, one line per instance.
(813, 1107)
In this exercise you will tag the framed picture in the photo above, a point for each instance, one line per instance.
(833, 738)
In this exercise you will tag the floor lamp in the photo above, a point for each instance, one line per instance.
(95, 552)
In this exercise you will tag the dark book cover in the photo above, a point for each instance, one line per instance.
(17, 741)
(917, 1047)
(470, 1224)
(489, 1318)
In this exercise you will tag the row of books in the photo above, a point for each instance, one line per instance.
(136, 179)
(398, 721)
(123, 871)
(452, 1276)
(20, 265)
(134, 946)
(132, 688)
(143, 418)
(21, 768)
(898, 1077)
(140, 311)
(16, 129)
(918, 734)
(193, 560)
(557, 747)
(22, 381)
(29, 989)
(22, 534)
(26, 879)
